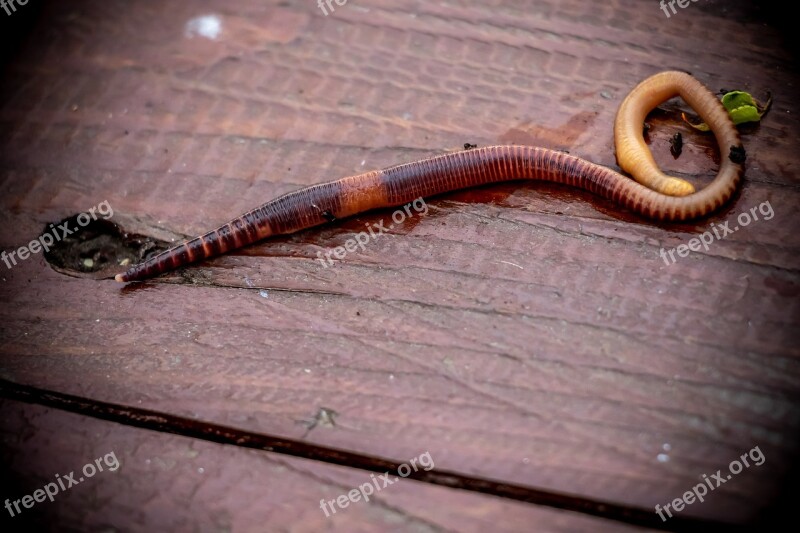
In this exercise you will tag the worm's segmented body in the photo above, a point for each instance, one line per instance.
(654, 195)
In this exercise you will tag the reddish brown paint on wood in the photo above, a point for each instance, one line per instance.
(185, 484)
(525, 332)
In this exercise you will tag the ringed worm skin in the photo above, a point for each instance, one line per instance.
(653, 194)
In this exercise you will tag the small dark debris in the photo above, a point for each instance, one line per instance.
(676, 145)
(646, 129)
(326, 214)
(468, 146)
(737, 155)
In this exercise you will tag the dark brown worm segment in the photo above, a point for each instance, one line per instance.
(656, 195)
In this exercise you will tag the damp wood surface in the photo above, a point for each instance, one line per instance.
(522, 332)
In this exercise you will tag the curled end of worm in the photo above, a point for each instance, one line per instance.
(677, 187)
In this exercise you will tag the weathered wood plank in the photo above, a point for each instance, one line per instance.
(167, 482)
(521, 332)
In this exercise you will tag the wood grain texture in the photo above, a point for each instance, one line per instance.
(176, 483)
(521, 332)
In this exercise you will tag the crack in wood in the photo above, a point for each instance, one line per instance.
(178, 425)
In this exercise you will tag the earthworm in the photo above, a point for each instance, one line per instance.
(656, 195)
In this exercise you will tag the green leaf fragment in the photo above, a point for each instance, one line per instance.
(741, 106)
(700, 127)
(736, 99)
(746, 113)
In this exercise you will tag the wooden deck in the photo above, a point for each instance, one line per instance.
(528, 337)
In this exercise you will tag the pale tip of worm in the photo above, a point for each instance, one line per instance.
(678, 187)
(120, 278)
